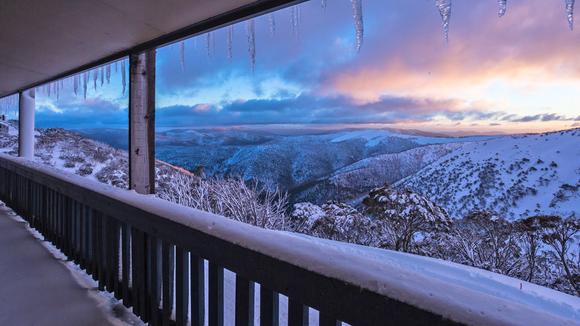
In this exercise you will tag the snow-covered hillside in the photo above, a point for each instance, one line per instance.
(74, 153)
(287, 161)
(515, 176)
(300, 161)
(356, 180)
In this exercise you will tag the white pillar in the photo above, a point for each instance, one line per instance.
(142, 122)
(26, 124)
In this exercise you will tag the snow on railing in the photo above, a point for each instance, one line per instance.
(354, 284)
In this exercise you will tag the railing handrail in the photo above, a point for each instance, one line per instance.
(358, 292)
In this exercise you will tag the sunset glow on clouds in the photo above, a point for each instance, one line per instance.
(520, 73)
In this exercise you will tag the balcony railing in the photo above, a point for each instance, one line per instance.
(141, 250)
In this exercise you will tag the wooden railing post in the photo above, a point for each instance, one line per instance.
(142, 122)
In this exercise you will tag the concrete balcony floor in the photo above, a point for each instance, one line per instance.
(36, 288)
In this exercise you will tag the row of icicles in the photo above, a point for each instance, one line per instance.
(98, 76)
(444, 7)
(9, 104)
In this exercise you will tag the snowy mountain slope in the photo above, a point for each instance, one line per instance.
(296, 161)
(356, 180)
(515, 176)
(74, 153)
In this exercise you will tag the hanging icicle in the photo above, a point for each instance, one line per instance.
(123, 76)
(213, 44)
(444, 7)
(230, 40)
(116, 67)
(293, 21)
(108, 69)
(182, 55)
(102, 75)
(252, 43)
(502, 4)
(95, 78)
(76, 84)
(357, 14)
(323, 4)
(570, 13)
(272, 24)
(208, 44)
(85, 83)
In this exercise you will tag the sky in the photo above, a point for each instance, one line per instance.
(518, 73)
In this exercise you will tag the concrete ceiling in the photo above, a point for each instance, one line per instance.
(42, 39)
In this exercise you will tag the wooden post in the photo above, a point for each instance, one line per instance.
(26, 123)
(142, 122)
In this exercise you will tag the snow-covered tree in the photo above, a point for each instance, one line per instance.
(234, 198)
(335, 221)
(530, 231)
(403, 217)
(486, 240)
(562, 235)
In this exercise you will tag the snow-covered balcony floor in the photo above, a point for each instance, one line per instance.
(37, 289)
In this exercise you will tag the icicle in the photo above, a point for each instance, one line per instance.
(116, 67)
(102, 75)
(213, 44)
(208, 44)
(570, 13)
(323, 4)
(48, 89)
(357, 14)
(252, 43)
(182, 55)
(502, 7)
(444, 7)
(230, 41)
(272, 23)
(95, 78)
(85, 82)
(108, 69)
(76, 84)
(123, 76)
(293, 21)
(57, 91)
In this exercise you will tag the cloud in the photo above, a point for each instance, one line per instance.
(546, 117)
(308, 108)
(95, 112)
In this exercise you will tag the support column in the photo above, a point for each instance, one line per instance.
(26, 123)
(142, 122)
